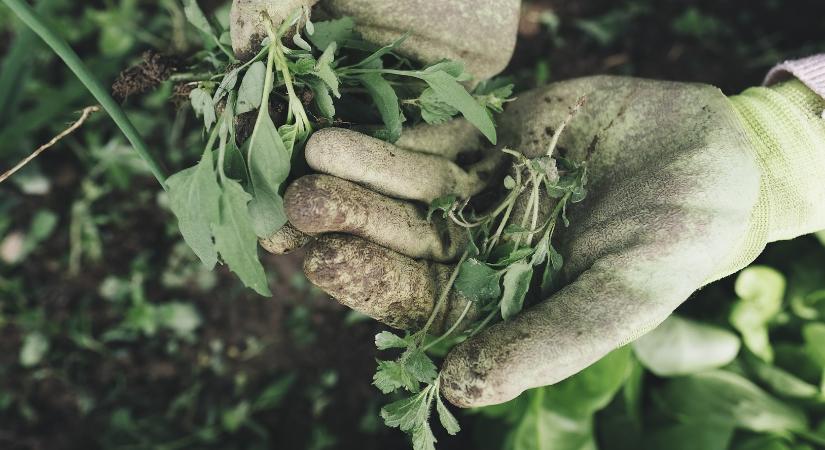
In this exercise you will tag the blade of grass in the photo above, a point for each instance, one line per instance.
(28, 16)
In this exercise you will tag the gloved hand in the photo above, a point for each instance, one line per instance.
(686, 186)
(480, 33)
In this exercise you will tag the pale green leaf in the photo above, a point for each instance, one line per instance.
(516, 283)
(323, 100)
(408, 413)
(339, 30)
(203, 106)
(423, 438)
(780, 381)
(324, 71)
(386, 100)
(235, 238)
(680, 347)
(454, 94)
(251, 91)
(34, 348)
(269, 163)
(478, 282)
(386, 340)
(194, 199)
(196, 17)
(393, 375)
(448, 421)
(420, 366)
(760, 290)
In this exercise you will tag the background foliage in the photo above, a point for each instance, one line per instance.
(113, 336)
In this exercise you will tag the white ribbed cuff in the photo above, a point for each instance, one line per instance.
(810, 71)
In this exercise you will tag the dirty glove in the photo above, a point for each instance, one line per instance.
(480, 33)
(686, 186)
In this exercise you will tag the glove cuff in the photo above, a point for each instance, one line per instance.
(785, 126)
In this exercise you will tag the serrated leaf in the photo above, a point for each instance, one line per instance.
(203, 106)
(387, 340)
(393, 375)
(448, 421)
(516, 283)
(235, 238)
(324, 71)
(339, 30)
(251, 91)
(420, 366)
(323, 100)
(386, 100)
(423, 438)
(194, 14)
(269, 163)
(478, 282)
(409, 413)
(302, 66)
(454, 94)
(194, 196)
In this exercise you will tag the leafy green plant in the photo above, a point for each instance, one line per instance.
(494, 274)
(234, 195)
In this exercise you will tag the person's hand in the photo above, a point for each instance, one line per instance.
(677, 198)
(480, 33)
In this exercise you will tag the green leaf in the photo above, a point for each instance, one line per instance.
(234, 418)
(269, 164)
(478, 282)
(387, 340)
(235, 238)
(515, 256)
(689, 437)
(760, 290)
(386, 100)
(423, 438)
(821, 236)
(542, 428)
(324, 71)
(516, 283)
(420, 366)
(34, 348)
(227, 84)
(454, 94)
(444, 204)
(339, 30)
(724, 398)
(194, 196)
(203, 106)
(492, 94)
(409, 413)
(196, 17)
(378, 54)
(272, 396)
(433, 109)
(250, 94)
(780, 381)
(448, 421)
(681, 347)
(814, 335)
(393, 375)
(323, 101)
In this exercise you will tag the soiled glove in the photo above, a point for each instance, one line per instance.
(481, 33)
(687, 186)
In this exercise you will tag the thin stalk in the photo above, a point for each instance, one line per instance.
(452, 328)
(28, 16)
(445, 294)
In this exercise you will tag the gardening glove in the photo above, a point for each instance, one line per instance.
(480, 33)
(686, 186)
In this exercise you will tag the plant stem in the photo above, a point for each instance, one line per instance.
(445, 294)
(28, 16)
(452, 328)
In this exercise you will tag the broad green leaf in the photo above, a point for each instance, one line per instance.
(689, 436)
(324, 71)
(680, 347)
(814, 335)
(726, 399)
(272, 396)
(448, 421)
(194, 196)
(516, 283)
(323, 100)
(196, 17)
(452, 67)
(478, 282)
(454, 94)
(434, 110)
(780, 381)
(203, 106)
(444, 204)
(760, 290)
(516, 256)
(386, 340)
(235, 238)
(269, 164)
(339, 30)
(227, 84)
(386, 100)
(543, 428)
(234, 418)
(251, 91)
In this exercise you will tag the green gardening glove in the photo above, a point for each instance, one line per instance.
(485, 42)
(686, 186)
